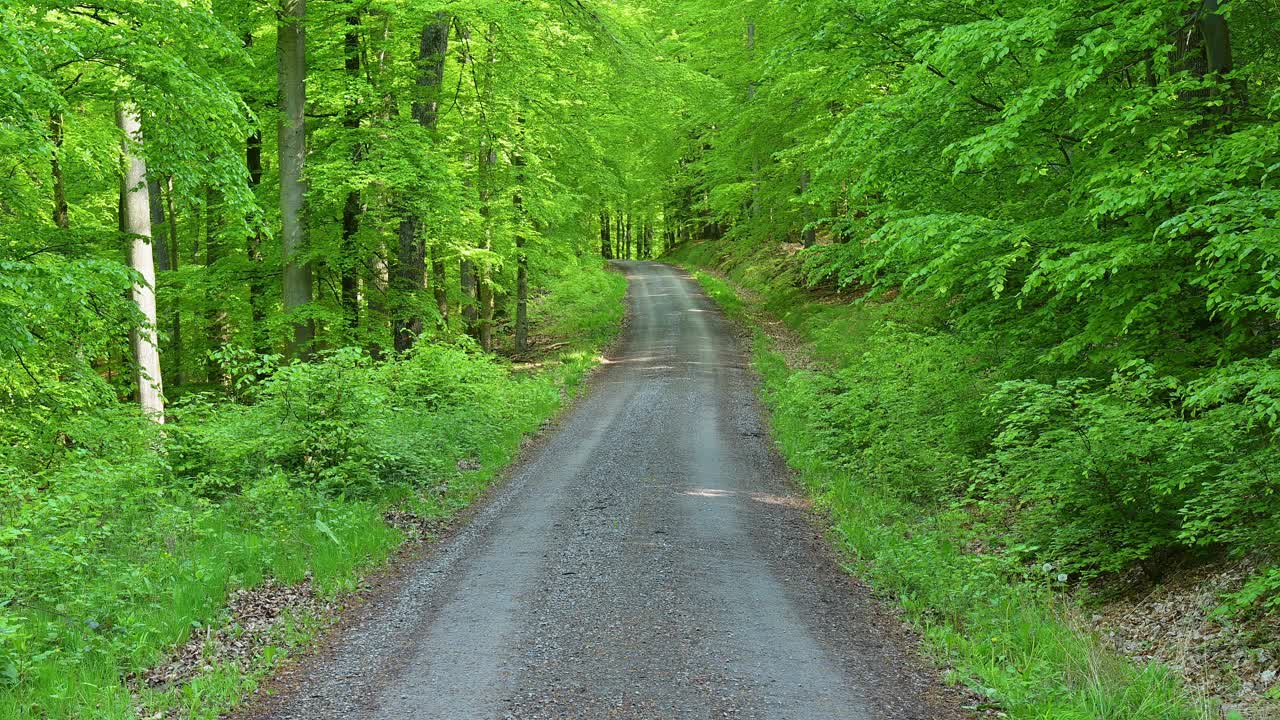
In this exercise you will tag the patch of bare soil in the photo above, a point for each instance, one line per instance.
(253, 619)
(1174, 623)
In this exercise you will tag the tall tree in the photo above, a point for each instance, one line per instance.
(352, 208)
(433, 45)
(61, 213)
(135, 220)
(291, 53)
(606, 245)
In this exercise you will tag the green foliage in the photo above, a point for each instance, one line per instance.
(119, 539)
(1073, 205)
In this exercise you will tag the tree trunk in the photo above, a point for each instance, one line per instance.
(484, 283)
(352, 208)
(408, 284)
(175, 336)
(467, 286)
(433, 44)
(135, 219)
(216, 319)
(61, 213)
(522, 295)
(488, 159)
(627, 240)
(253, 248)
(377, 288)
(438, 287)
(606, 245)
(159, 247)
(1217, 39)
(292, 57)
(522, 260)
(433, 49)
(810, 235)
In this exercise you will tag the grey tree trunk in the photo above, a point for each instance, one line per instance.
(606, 245)
(159, 246)
(352, 208)
(522, 295)
(484, 283)
(522, 259)
(433, 49)
(467, 286)
(810, 234)
(175, 340)
(216, 317)
(291, 54)
(61, 213)
(488, 159)
(135, 219)
(253, 248)
(411, 269)
(408, 282)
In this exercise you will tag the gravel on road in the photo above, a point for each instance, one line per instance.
(650, 559)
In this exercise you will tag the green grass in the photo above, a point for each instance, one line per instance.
(115, 553)
(856, 431)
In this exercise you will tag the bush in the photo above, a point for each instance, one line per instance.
(118, 539)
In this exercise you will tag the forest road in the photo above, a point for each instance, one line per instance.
(650, 559)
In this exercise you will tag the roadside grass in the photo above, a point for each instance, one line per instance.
(128, 542)
(867, 433)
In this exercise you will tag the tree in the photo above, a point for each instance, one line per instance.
(135, 221)
(292, 58)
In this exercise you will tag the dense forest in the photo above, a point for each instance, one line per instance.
(269, 268)
(1083, 192)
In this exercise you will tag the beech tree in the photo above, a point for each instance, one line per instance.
(135, 221)
(291, 50)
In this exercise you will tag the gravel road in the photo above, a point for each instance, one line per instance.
(649, 560)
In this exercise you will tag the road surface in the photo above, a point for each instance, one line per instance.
(650, 559)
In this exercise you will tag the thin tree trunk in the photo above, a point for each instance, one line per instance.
(159, 246)
(61, 213)
(433, 44)
(408, 284)
(135, 220)
(522, 295)
(810, 233)
(175, 340)
(488, 159)
(433, 49)
(467, 286)
(352, 208)
(292, 56)
(253, 248)
(606, 245)
(484, 284)
(379, 284)
(216, 319)
(438, 286)
(253, 241)
(522, 259)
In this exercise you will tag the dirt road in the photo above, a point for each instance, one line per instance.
(649, 560)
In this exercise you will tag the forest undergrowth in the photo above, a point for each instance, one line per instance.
(906, 433)
(124, 539)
